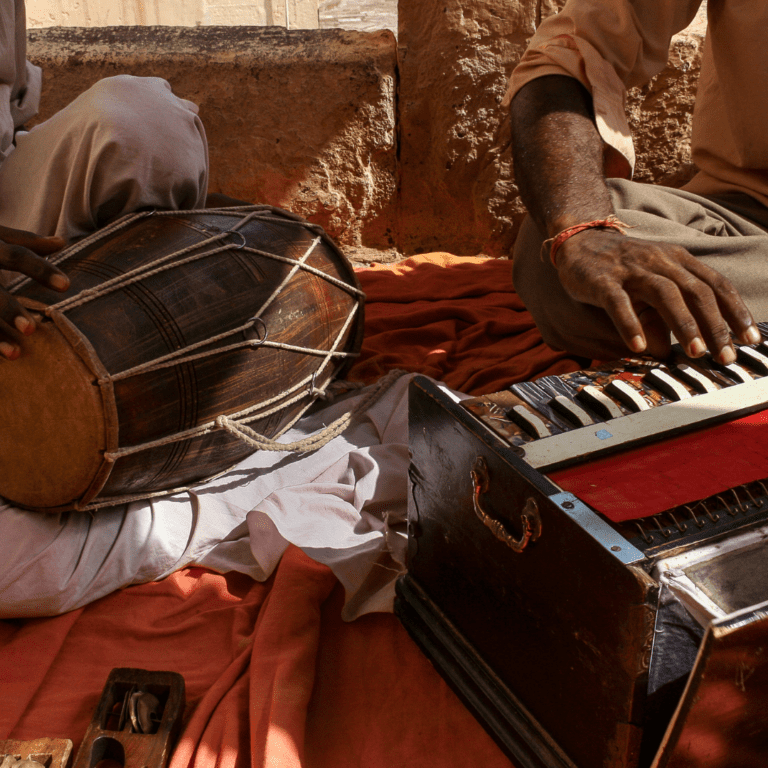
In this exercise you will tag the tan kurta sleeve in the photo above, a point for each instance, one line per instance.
(19, 80)
(609, 46)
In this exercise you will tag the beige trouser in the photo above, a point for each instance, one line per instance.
(728, 233)
(125, 144)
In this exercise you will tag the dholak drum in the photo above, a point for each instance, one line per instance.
(172, 320)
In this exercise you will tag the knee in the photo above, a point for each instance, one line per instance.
(147, 120)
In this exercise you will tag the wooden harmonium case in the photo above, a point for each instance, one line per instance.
(588, 563)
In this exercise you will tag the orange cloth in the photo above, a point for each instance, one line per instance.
(457, 319)
(273, 676)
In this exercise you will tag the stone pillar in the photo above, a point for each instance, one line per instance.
(457, 190)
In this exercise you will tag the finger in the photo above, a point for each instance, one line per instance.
(714, 328)
(14, 320)
(666, 297)
(9, 351)
(625, 319)
(44, 246)
(714, 303)
(703, 314)
(19, 259)
(656, 333)
(9, 347)
(730, 304)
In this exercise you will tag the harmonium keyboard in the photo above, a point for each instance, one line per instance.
(588, 560)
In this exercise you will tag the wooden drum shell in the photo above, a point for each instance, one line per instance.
(173, 309)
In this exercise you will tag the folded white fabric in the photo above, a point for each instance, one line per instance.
(344, 505)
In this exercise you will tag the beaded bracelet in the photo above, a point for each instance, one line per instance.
(611, 222)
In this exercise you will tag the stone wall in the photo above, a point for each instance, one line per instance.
(458, 192)
(395, 148)
(661, 112)
(300, 119)
(292, 14)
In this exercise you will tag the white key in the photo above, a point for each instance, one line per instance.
(624, 392)
(694, 378)
(739, 373)
(666, 384)
(529, 421)
(572, 412)
(753, 359)
(599, 402)
(723, 404)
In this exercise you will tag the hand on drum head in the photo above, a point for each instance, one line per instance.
(20, 252)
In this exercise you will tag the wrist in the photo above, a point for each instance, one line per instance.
(551, 246)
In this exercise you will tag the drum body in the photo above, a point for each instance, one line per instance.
(171, 320)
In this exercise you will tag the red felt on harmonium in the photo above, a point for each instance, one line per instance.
(644, 481)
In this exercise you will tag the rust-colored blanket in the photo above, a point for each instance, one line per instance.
(274, 677)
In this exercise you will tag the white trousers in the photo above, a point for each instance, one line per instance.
(125, 144)
(343, 505)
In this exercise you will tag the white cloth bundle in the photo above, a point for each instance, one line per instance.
(344, 505)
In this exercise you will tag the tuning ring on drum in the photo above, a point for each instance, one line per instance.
(242, 237)
(314, 391)
(263, 336)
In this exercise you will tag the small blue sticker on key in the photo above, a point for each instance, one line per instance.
(603, 434)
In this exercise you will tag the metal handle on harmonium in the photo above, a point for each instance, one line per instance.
(529, 517)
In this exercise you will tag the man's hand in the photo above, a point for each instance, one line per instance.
(619, 293)
(21, 252)
(649, 289)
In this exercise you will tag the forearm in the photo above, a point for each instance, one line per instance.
(558, 154)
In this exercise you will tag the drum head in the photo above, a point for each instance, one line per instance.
(52, 427)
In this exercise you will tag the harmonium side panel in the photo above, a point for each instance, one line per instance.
(565, 623)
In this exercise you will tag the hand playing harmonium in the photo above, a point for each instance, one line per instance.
(568, 427)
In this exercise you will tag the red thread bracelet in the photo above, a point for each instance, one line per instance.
(611, 222)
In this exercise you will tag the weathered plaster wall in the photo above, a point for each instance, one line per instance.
(458, 191)
(293, 14)
(300, 119)
(660, 115)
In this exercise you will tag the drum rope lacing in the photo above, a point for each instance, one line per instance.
(306, 445)
(254, 212)
(234, 423)
(313, 442)
(252, 413)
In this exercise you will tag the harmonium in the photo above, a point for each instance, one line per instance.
(588, 561)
